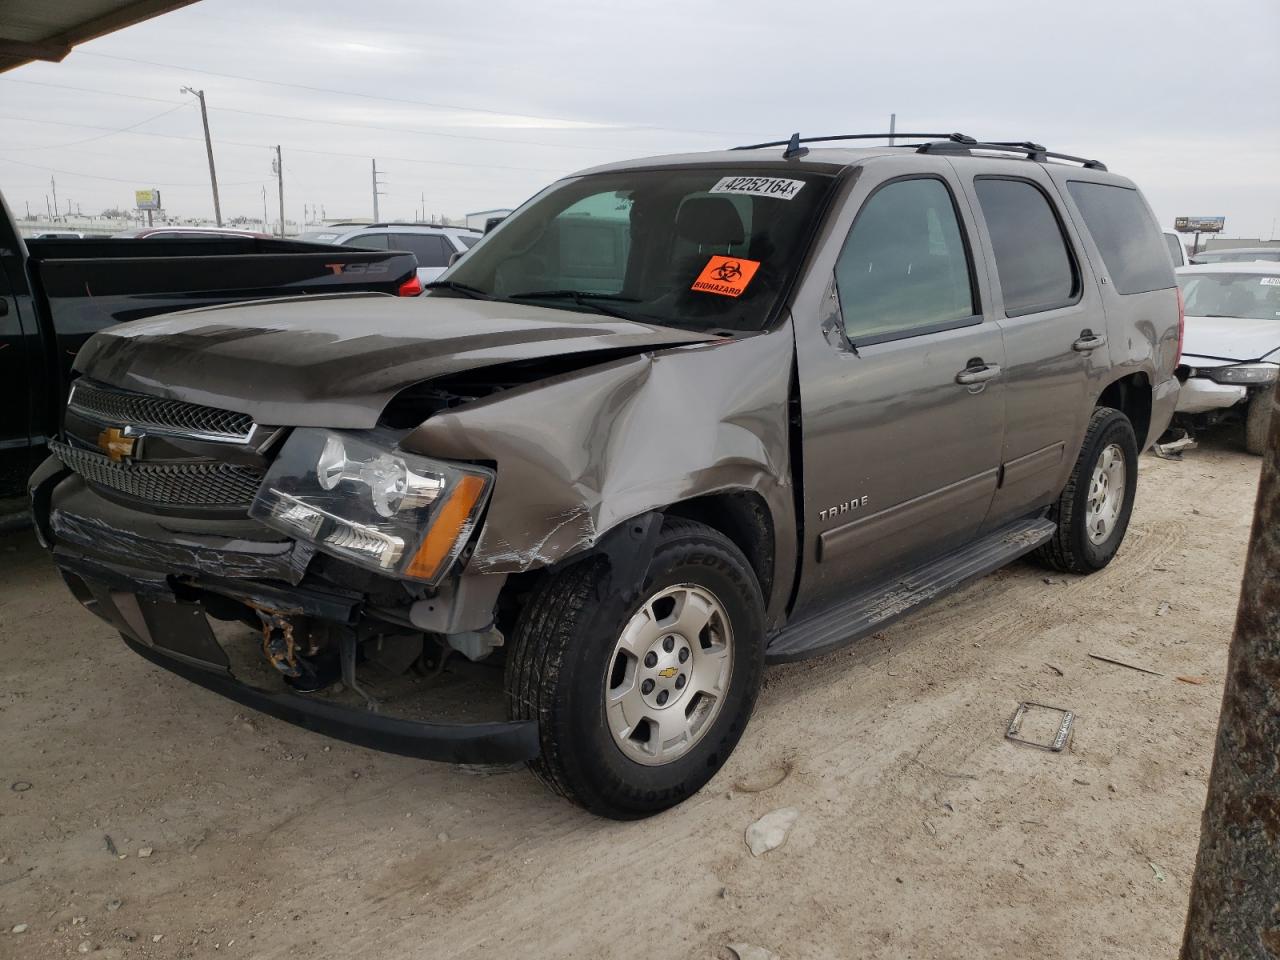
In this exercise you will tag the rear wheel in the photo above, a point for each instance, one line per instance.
(1257, 422)
(638, 706)
(1092, 513)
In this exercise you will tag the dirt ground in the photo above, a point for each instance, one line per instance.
(922, 833)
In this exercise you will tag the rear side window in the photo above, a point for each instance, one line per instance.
(467, 240)
(1175, 249)
(367, 241)
(432, 250)
(1126, 235)
(1035, 270)
(904, 269)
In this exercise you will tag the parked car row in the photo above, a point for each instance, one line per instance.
(435, 247)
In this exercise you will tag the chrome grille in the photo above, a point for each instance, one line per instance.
(172, 484)
(157, 413)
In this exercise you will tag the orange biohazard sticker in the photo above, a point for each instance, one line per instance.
(727, 276)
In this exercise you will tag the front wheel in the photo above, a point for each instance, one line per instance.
(1092, 513)
(1257, 421)
(638, 706)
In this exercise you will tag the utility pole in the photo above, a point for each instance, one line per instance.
(266, 223)
(376, 193)
(208, 147)
(279, 165)
(893, 126)
(1234, 888)
(54, 185)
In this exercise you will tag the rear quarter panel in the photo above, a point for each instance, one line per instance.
(1142, 328)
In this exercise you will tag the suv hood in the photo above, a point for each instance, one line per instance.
(337, 361)
(1229, 338)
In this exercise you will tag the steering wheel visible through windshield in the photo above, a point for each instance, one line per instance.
(705, 248)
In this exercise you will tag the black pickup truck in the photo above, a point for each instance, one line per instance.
(55, 294)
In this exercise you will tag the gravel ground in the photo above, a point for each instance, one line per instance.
(920, 833)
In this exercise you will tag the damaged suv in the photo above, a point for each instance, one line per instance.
(673, 419)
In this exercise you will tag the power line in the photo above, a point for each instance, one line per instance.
(259, 146)
(112, 93)
(134, 180)
(420, 103)
(101, 136)
(340, 123)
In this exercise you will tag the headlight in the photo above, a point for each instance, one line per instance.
(1244, 373)
(388, 511)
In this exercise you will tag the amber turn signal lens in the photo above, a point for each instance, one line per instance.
(446, 528)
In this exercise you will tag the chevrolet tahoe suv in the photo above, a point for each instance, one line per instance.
(672, 420)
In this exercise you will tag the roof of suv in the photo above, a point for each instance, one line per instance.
(833, 159)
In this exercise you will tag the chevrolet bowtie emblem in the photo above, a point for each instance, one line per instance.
(115, 444)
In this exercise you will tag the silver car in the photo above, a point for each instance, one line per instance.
(1231, 350)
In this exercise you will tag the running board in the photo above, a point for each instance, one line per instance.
(872, 609)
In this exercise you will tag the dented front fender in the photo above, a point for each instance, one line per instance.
(578, 454)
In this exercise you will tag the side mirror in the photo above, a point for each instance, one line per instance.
(455, 257)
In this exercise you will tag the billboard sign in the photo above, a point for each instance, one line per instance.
(147, 199)
(1199, 224)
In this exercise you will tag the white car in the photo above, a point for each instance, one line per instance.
(1231, 348)
(433, 246)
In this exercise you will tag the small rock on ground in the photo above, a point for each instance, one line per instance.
(747, 951)
(771, 830)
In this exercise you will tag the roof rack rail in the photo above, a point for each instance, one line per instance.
(410, 223)
(935, 143)
(1032, 151)
(796, 139)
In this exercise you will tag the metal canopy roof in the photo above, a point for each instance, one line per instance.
(48, 29)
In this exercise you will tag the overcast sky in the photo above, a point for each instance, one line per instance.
(470, 106)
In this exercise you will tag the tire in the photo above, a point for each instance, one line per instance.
(1257, 421)
(1074, 547)
(566, 654)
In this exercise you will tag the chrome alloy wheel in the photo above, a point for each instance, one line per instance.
(1106, 493)
(669, 674)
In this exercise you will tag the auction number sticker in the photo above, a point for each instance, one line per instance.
(727, 276)
(778, 187)
(1270, 281)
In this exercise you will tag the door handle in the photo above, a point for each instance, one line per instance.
(978, 374)
(1088, 341)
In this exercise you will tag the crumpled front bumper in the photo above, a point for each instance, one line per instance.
(151, 591)
(1200, 395)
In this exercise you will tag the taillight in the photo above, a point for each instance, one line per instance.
(413, 287)
(1182, 325)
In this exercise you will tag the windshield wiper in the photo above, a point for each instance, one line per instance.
(475, 293)
(582, 298)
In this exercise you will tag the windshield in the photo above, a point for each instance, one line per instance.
(710, 248)
(1244, 295)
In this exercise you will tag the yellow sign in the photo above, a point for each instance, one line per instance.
(147, 199)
